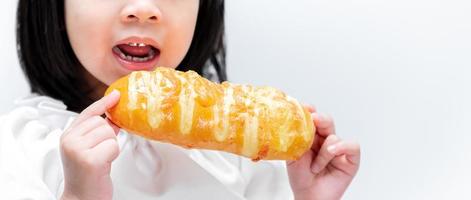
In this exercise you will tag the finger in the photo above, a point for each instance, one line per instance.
(297, 169)
(310, 108)
(72, 133)
(318, 139)
(324, 124)
(324, 127)
(87, 126)
(98, 135)
(106, 151)
(325, 155)
(98, 108)
(116, 128)
(317, 144)
(350, 149)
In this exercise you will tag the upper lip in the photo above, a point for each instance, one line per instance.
(136, 39)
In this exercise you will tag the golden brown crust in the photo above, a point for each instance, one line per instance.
(188, 110)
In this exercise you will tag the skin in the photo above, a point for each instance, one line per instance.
(327, 169)
(94, 27)
(89, 146)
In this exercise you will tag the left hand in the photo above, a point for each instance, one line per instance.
(325, 171)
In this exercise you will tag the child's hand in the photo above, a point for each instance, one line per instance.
(327, 169)
(87, 149)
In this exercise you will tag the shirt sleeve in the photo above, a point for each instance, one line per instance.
(30, 165)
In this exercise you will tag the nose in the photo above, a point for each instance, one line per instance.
(141, 11)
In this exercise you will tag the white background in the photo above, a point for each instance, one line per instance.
(394, 74)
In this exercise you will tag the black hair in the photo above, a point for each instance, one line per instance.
(52, 68)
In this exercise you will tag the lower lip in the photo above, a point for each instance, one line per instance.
(136, 66)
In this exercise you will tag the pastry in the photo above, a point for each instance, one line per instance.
(188, 110)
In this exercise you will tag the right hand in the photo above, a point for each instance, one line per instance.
(88, 147)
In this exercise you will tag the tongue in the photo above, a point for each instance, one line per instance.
(135, 51)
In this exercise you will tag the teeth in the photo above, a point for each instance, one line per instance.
(133, 44)
(122, 55)
(132, 58)
(136, 59)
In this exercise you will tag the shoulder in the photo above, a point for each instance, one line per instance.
(29, 141)
(37, 120)
(33, 119)
(37, 111)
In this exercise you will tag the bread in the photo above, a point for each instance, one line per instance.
(188, 110)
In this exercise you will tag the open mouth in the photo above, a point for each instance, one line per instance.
(136, 55)
(136, 52)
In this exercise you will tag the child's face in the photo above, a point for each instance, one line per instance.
(111, 38)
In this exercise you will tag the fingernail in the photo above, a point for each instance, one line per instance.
(331, 149)
(113, 93)
(323, 117)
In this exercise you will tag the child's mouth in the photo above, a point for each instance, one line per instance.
(136, 56)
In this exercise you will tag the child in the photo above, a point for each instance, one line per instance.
(56, 144)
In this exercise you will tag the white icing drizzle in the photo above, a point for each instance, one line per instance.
(151, 85)
(132, 91)
(300, 111)
(228, 100)
(155, 98)
(147, 84)
(250, 146)
(187, 105)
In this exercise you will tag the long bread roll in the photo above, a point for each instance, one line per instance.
(188, 110)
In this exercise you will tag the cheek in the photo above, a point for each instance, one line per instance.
(88, 31)
(176, 47)
(179, 34)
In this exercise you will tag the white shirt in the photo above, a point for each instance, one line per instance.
(31, 168)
